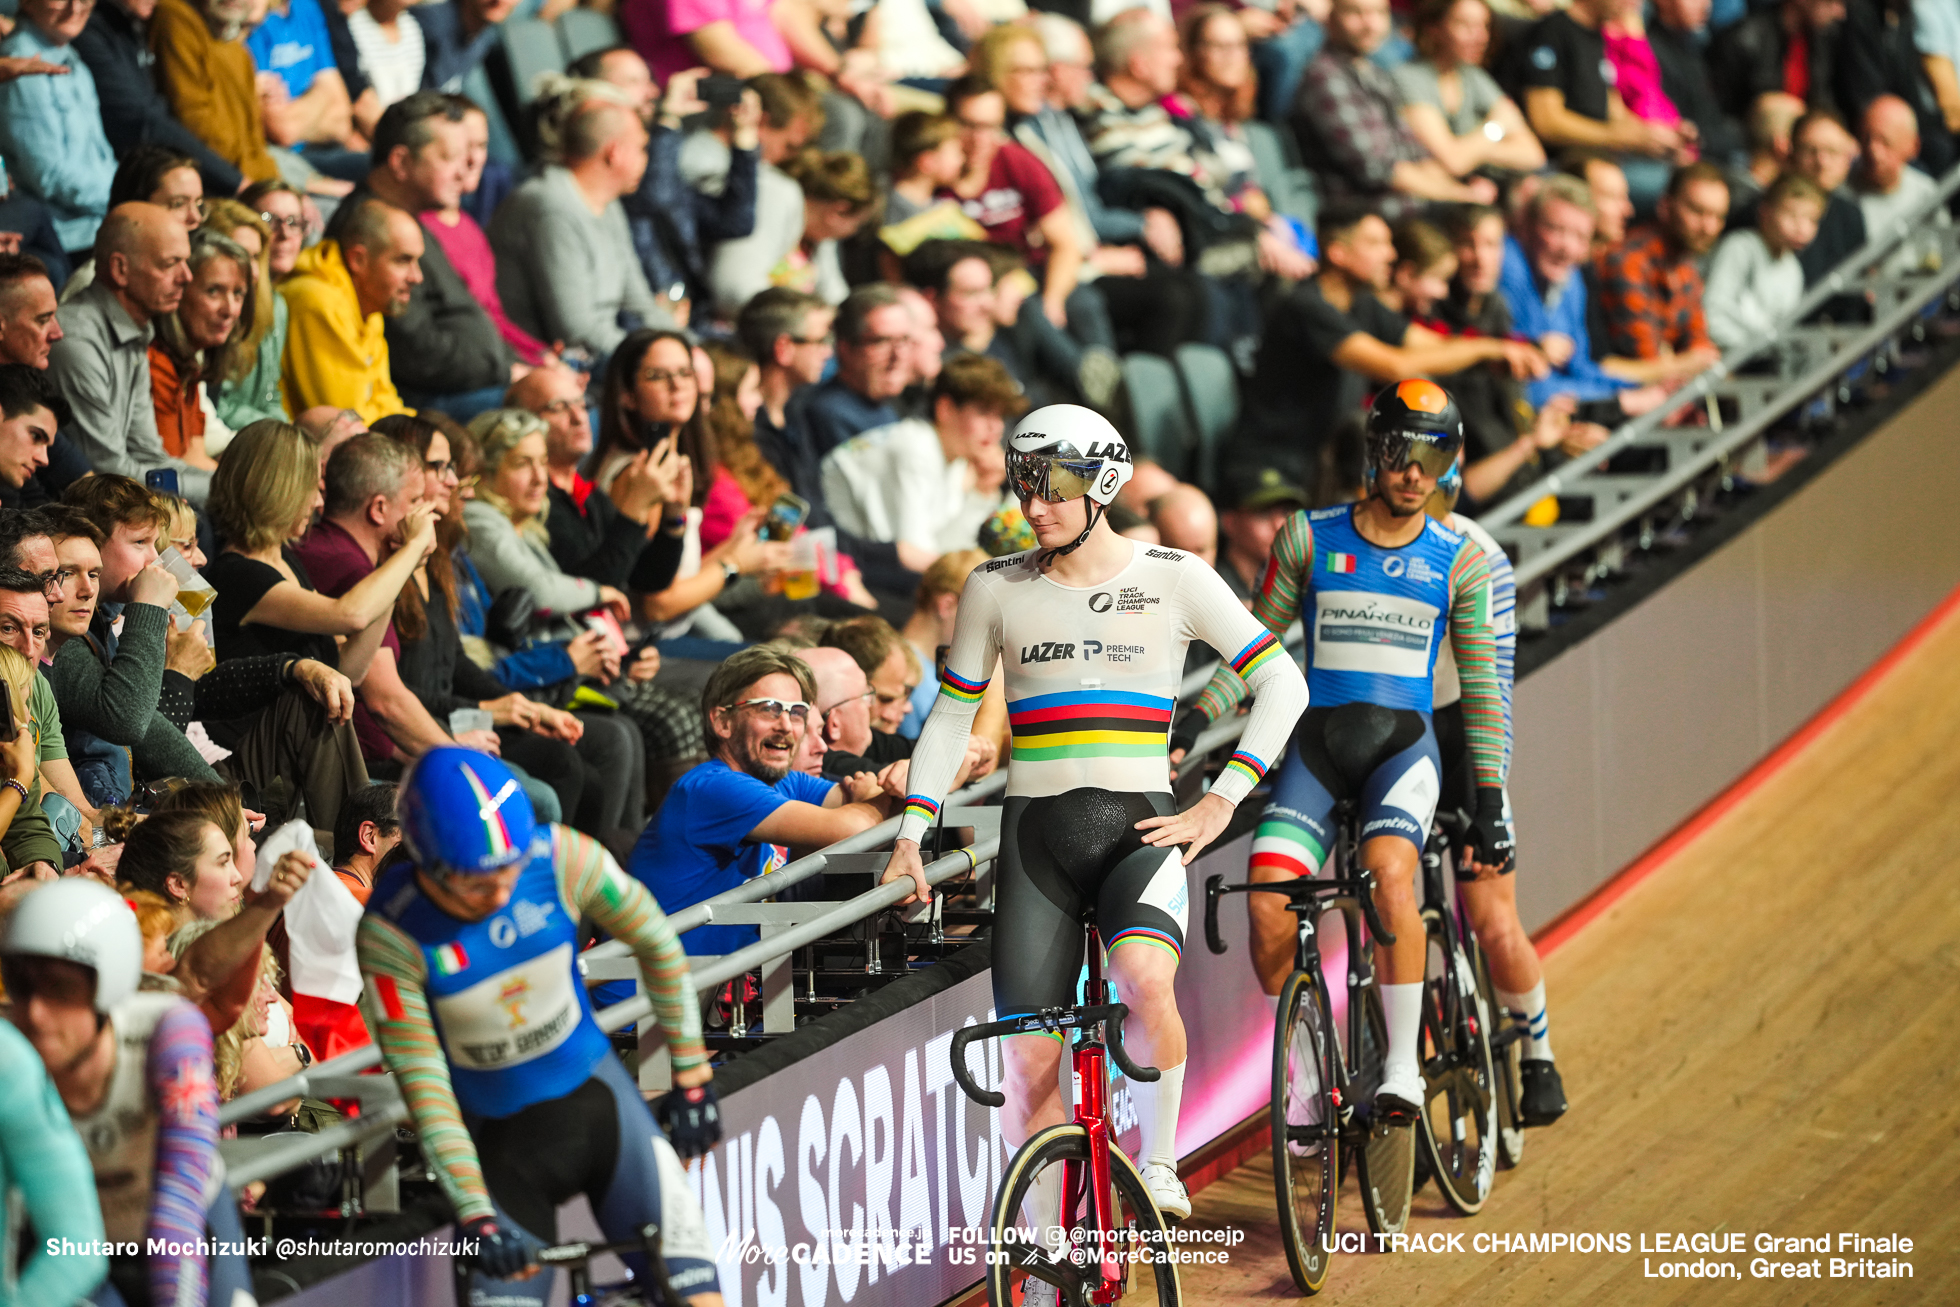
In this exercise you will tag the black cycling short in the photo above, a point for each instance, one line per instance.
(1062, 856)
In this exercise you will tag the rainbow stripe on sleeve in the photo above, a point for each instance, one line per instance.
(1256, 654)
(1090, 724)
(1247, 763)
(958, 688)
(918, 805)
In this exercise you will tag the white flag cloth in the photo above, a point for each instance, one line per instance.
(320, 920)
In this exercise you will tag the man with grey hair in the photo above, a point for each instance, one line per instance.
(102, 360)
(566, 267)
(447, 352)
(338, 295)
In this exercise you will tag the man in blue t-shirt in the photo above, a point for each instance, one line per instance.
(740, 813)
(302, 96)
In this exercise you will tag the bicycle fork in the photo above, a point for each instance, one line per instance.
(1092, 1114)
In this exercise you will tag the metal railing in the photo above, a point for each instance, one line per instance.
(1541, 554)
(1808, 358)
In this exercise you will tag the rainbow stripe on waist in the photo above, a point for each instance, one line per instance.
(1090, 724)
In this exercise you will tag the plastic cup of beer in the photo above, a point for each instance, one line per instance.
(800, 578)
(193, 591)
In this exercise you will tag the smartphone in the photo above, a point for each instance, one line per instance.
(720, 91)
(9, 723)
(785, 516)
(602, 621)
(163, 480)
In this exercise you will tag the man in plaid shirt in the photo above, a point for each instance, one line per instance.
(1348, 118)
(1650, 284)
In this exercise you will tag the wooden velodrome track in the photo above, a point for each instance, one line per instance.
(1758, 1038)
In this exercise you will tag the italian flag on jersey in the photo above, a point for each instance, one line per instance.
(1340, 563)
(451, 959)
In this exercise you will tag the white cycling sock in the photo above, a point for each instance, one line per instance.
(1402, 1005)
(1272, 1004)
(1041, 1207)
(1157, 1106)
(1538, 1040)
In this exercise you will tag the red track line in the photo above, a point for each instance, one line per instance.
(1576, 918)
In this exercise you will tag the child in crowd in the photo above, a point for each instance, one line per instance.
(1754, 280)
(1425, 263)
(158, 918)
(927, 157)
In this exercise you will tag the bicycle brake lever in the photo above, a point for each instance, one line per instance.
(1214, 890)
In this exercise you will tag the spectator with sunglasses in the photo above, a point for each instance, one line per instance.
(744, 812)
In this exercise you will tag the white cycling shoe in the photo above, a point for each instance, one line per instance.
(1399, 1101)
(1168, 1190)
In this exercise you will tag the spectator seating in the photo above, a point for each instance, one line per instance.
(581, 31)
(1211, 386)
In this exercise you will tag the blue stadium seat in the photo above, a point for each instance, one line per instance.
(533, 50)
(1160, 429)
(581, 31)
(1211, 384)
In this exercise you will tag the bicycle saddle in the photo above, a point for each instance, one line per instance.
(1359, 738)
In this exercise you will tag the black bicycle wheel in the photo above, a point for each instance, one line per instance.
(1144, 1241)
(1306, 1131)
(1506, 1052)
(1387, 1155)
(1459, 1119)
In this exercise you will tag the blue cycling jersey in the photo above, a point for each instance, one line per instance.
(1375, 616)
(509, 1008)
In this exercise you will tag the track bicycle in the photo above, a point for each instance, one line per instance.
(1324, 1079)
(1458, 1126)
(1110, 1226)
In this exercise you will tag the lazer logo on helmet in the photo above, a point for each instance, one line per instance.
(1109, 449)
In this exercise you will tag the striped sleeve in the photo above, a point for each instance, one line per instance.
(1277, 608)
(397, 1011)
(1476, 663)
(942, 741)
(183, 1085)
(593, 885)
(1213, 614)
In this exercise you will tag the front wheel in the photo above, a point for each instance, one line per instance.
(1387, 1173)
(1018, 1254)
(1306, 1130)
(1459, 1118)
(1506, 1054)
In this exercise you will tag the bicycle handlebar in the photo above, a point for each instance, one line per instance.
(1052, 1020)
(1296, 890)
(569, 1254)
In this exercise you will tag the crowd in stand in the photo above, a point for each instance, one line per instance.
(641, 424)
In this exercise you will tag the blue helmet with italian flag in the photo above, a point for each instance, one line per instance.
(465, 811)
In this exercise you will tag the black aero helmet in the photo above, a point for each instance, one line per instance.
(1414, 421)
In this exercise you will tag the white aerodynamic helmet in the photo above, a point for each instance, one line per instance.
(85, 922)
(1064, 451)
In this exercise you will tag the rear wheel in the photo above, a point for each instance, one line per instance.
(1459, 1119)
(1306, 1130)
(1018, 1254)
(1387, 1155)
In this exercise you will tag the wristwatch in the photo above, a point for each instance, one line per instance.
(729, 573)
(303, 1053)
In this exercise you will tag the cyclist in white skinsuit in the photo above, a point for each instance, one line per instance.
(1092, 629)
(1492, 900)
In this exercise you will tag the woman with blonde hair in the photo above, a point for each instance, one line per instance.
(198, 343)
(249, 390)
(27, 841)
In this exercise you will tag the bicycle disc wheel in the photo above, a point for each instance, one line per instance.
(1459, 1117)
(1387, 1155)
(1506, 1052)
(1306, 1131)
(1143, 1238)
